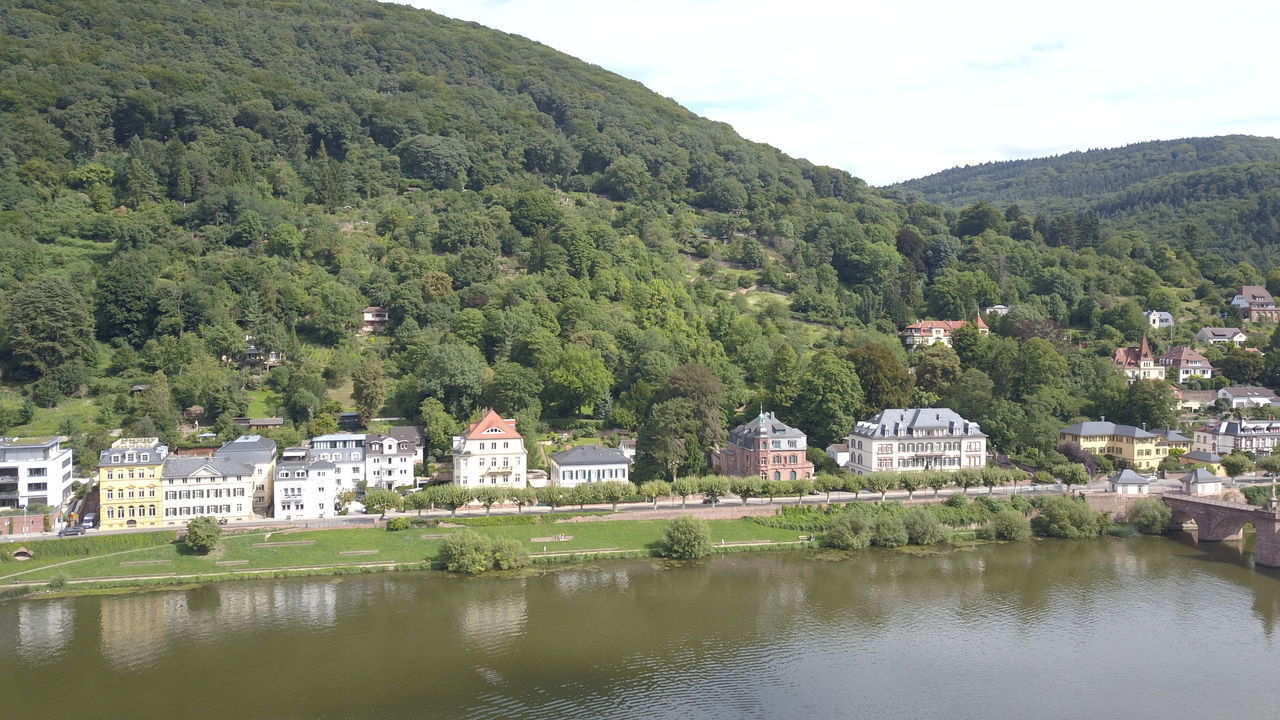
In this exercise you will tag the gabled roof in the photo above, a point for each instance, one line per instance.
(1248, 391)
(1133, 357)
(947, 326)
(492, 426)
(1171, 435)
(1200, 456)
(766, 425)
(1129, 477)
(179, 467)
(1224, 333)
(1256, 295)
(1182, 355)
(590, 455)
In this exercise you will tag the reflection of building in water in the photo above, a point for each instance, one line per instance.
(494, 623)
(44, 629)
(574, 581)
(133, 627)
(310, 605)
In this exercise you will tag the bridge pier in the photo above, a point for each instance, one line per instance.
(1266, 551)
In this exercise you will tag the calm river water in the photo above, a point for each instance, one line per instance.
(1137, 628)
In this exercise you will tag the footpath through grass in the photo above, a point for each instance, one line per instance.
(257, 551)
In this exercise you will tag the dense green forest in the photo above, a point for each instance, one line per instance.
(1216, 195)
(549, 238)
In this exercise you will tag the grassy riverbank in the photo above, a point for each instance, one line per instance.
(323, 551)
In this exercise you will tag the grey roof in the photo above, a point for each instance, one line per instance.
(590, 455)
(1200, 476)
(766, 425)
(1221, 332)
(1171, 435)
(1248, 391)
(1129, 477)
(905, 422)
(156, 451)
(177, 467)
(407, 433)
(249, 448)
(1200, 456)
(1103, 427)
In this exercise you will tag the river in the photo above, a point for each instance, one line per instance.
(1139, 628)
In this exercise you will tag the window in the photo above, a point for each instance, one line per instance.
(37, 487)
(37, 472)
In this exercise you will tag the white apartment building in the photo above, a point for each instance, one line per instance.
(34, 470)
(1222, 436)
(905, 440)
(347, 453)
(490, 452)
(589, 464)
(216, 486)
(390, 458)
(305, 488)
(259, 454)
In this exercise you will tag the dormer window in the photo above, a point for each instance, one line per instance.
(145, 457)
(493, 431)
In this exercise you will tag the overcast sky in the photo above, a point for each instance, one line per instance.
(895, 90)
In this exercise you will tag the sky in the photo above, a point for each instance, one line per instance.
(895, 90)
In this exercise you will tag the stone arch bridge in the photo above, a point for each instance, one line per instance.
(1218, 520)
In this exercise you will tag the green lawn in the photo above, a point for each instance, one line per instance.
(405, 546)
(262, 403)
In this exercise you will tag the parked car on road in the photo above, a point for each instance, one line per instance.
(89, 520)
(71, 530)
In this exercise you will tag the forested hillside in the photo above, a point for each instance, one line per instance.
(548, 237)
(1217, 195)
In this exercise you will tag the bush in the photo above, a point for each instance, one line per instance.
(922, 527)
(467, 552)
(1006, 525)
(1150, 516)
(956, 501)
(1257, 494)
(1021, 504)
(399, 523)
(509, 554)
(849, 531)
(888, 531)
(688, 538)
(1065, 517)
(203, 534)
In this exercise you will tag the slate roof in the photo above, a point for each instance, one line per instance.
(1200, 476)
(248, 448)
(765, 426)
(590, 455)
(1129, 477)
(1248, 391)
(906, 422)
(1200, 456)
(179, 467)
(1096, 428)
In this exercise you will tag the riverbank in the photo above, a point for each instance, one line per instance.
(326, 552)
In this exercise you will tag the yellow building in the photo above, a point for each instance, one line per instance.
(129, 483)
(1141, 449)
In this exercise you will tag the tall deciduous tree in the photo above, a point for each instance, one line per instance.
(126, 299)
(369, 388)
(885, 381)
(438, 427)
(830, 398)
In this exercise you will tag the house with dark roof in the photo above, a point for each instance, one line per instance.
(220, 487)
(767, 447)
(1128, 482)
(1244, 396)
(1182, 363)
(1201, 482)
(914, 439)
(1139, 448)
(1222, 437)
(1256, 304)
(1221, 336)
(585, 464)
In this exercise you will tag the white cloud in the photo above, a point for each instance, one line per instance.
(891, 91)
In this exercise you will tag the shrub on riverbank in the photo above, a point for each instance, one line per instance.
(847, 531)
(1067, 517)
(922, 527)
(399, 523)
(509, 554)
(888, 531)
(687, 538)
(467, 552)
(1006, 525)
(1150, 516)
